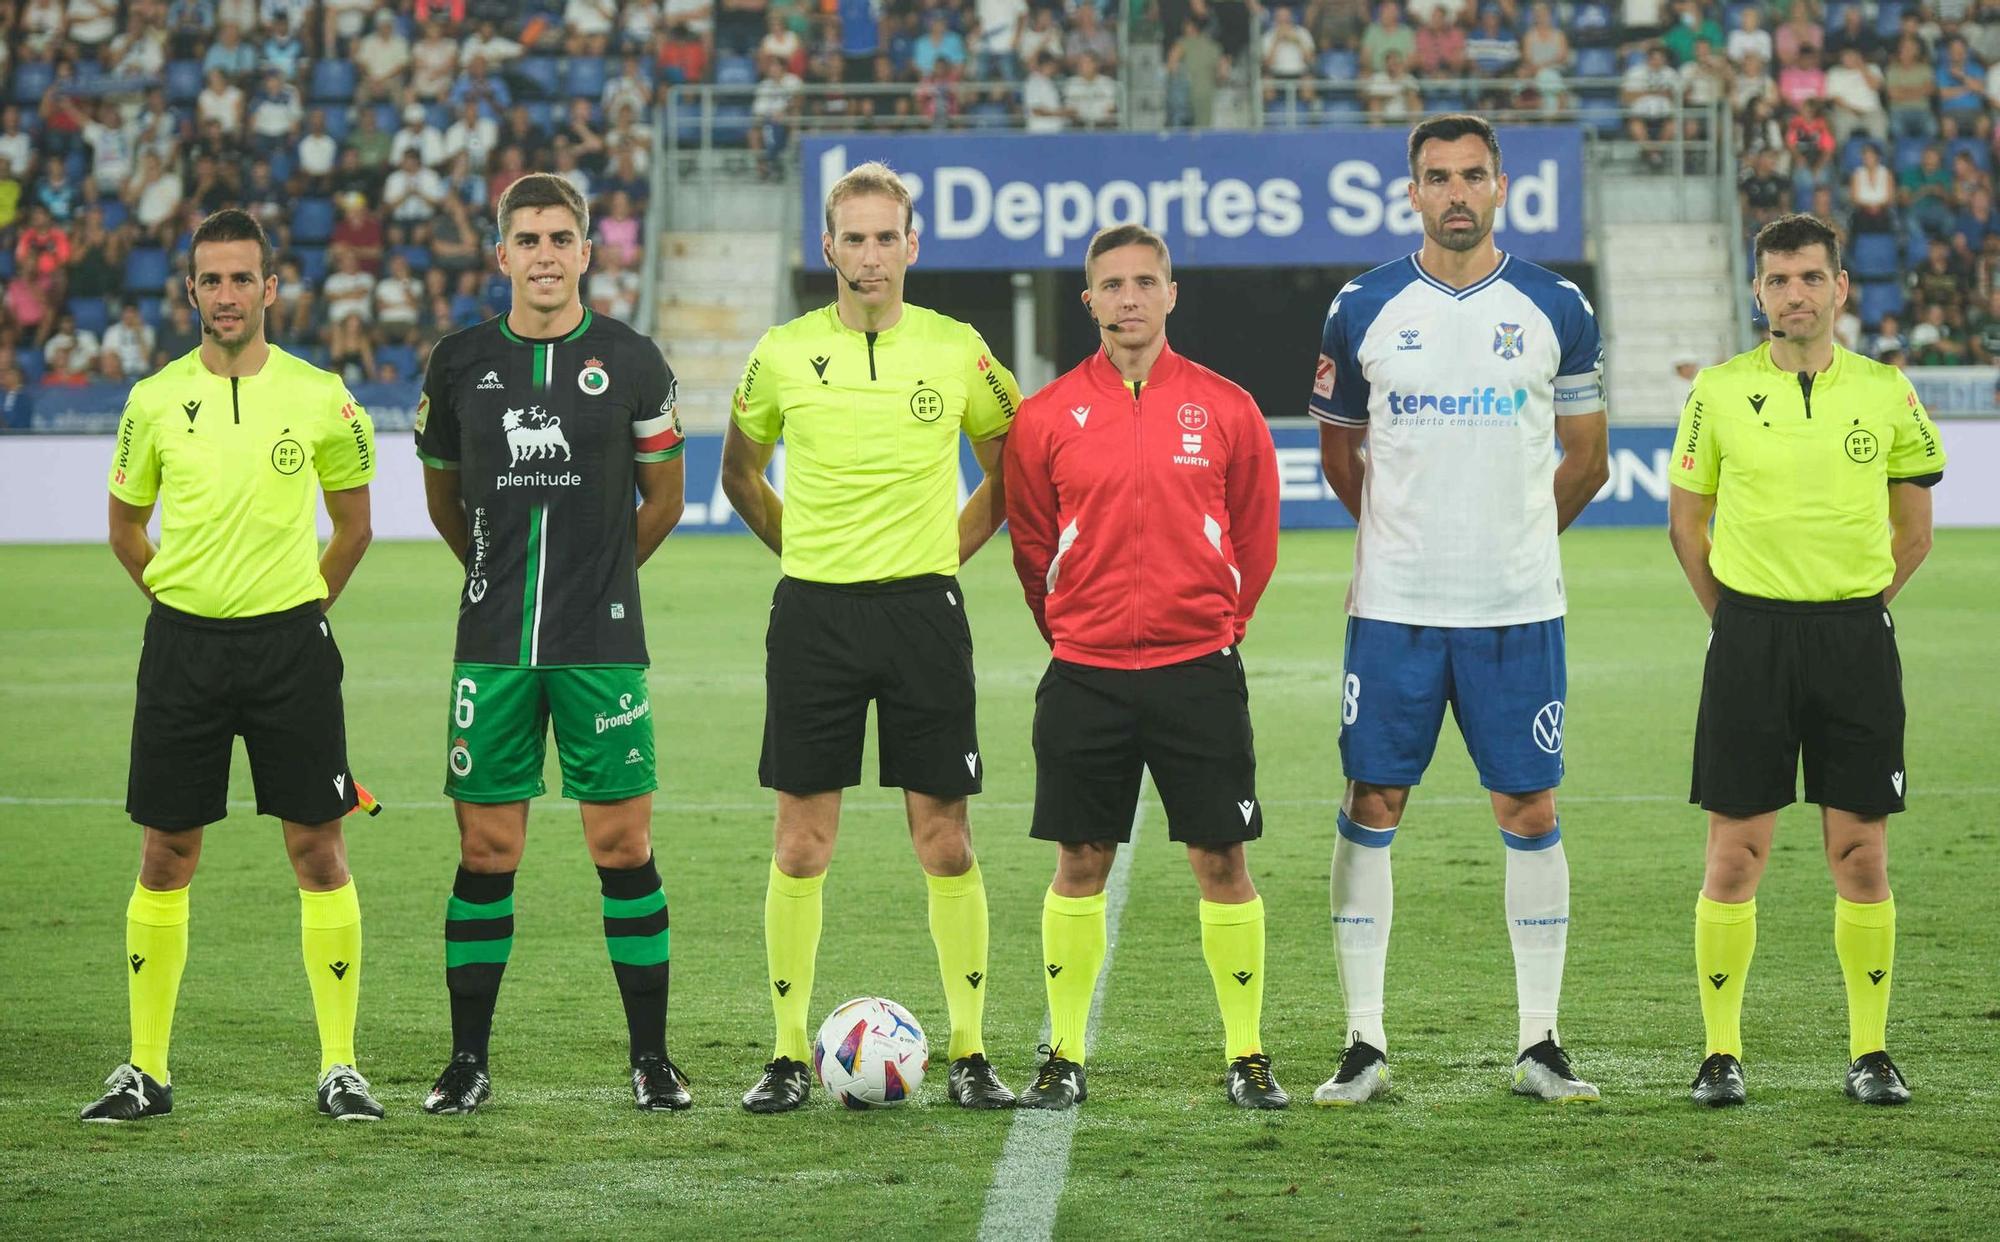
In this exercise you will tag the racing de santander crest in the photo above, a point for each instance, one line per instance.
(1507, 340)
(593, 379)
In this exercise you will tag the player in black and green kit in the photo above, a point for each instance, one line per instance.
(535, 429)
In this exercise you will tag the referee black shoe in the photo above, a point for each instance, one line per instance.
(1251, 1085)
(1719, 1082)
(344, 1095)
(658, 1086)
(784, 1087)
(134, 1096)
(1058, 1084)
(975, 1085)
(1874, 1079)
(462, 1088)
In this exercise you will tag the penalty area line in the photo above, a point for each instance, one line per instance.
(1028, 1181)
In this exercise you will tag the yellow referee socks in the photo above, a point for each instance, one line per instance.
(156, 949)
(1725, 935)
(958, 929)
(330, 935)
(791, 942)
(1072, 955)
(1864, 937)
(1232, 939)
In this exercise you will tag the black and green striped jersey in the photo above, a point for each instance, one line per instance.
(544, 434)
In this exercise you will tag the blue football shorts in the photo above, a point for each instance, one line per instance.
(1505, 685)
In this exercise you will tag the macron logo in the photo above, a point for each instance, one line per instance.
(1079, 413)
(340, 785)
(972, 762)
(1249, 807)
(1896, 779)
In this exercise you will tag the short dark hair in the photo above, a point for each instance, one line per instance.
(1792, 233)
(541, 189)
(233, 224)
(1449, 128)
(1127, 235)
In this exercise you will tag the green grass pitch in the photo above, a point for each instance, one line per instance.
(561, 1153)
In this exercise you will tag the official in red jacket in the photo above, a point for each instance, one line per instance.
(1142, 493)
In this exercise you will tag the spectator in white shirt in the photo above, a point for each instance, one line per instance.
(772, 106)
(433, 62)
(1391, 91)
(318, 151)
(472, 134)
(587, 26)
(1749, 38)
(221, 101)
(141, 51)
(112, 157)
(419, 135)
(383, 58)
(17, 146)
(397, 297)
(1854, 88)
(275, 117)
(128, 344)
(154, 192)
(79, 347)
(997, 40)
(413, 193)
(1042, 38)
(1041, 98)
(1288, 57)
(348, 290)
(631, 87)
(1091, 97)
(638, 22)
(489, 45)
(781, 41)
(92, 22)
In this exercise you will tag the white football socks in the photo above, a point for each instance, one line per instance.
(1538, 925)
(1363, 900)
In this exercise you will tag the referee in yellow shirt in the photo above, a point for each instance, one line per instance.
(1816, 466)
(870, 396)
(236, 438)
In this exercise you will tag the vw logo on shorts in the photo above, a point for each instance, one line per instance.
(1549, 727)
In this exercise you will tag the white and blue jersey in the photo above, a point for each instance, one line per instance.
(1459, 390)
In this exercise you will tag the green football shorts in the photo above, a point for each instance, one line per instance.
(499, 732)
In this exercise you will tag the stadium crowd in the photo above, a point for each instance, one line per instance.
(371, 138)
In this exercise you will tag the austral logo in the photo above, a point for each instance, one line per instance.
(492, 383)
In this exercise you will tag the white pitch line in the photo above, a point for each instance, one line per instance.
(1027, 1187)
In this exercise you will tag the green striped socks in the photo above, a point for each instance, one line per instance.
(635, 934)
(478, 936)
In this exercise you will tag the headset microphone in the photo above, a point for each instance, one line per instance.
(851, 283)
(1778, 333)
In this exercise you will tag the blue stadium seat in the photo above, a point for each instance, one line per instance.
(1599, 111)
(1836, 13)
(311, 351)
(31, 364)
(1596, 62)
(1283, 113)
(1909, 153)
(1879, 298)
(283, 165)
(466, 308)
(419, 257)
(1874, 256)
(1591, 18)
(1982, 155)
(438, 116)
(312, 221)
(183, 81)
(735, 71)
(1339, 64)
(1850, 155)
(77, 165)
(537, 72)
(388, 117)
(31, 80)
(542, 112)
(732, 124)
(92, 314)
(339, 123)
(989, 114)
(1340, 110)
(152, 310)
(1444, 101)
(146, 270)
(1888, 18)
(402, 356)
(584, 76)
(6, 263)
(312, 263)
(687, 118)
(333, 81)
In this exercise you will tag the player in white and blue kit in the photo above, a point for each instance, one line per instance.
(1460, 368)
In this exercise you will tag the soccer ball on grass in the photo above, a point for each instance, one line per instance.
(870, 1053)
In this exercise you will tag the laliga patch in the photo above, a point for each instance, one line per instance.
(1323, 378)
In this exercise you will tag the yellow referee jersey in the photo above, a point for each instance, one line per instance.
(235, 464)
(1800, 468)
(870, 422)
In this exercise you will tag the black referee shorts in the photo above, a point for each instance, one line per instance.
(1097, 729)
(1822, 679)
(831, 648)
(275, 680)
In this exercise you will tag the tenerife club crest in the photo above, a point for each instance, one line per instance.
(1507, 340)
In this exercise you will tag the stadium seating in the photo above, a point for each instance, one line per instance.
(312, 220)
(31, 81)
(92, 314)
(584, 77)
(183, 81)
(1879, 298)
(146, 270)
(1596, 62)
(539, 73)
(1875, 256)
(333, 81)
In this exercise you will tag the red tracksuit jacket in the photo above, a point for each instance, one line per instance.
(1144, 517)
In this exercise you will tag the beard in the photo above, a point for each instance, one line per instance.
(1459, 240)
